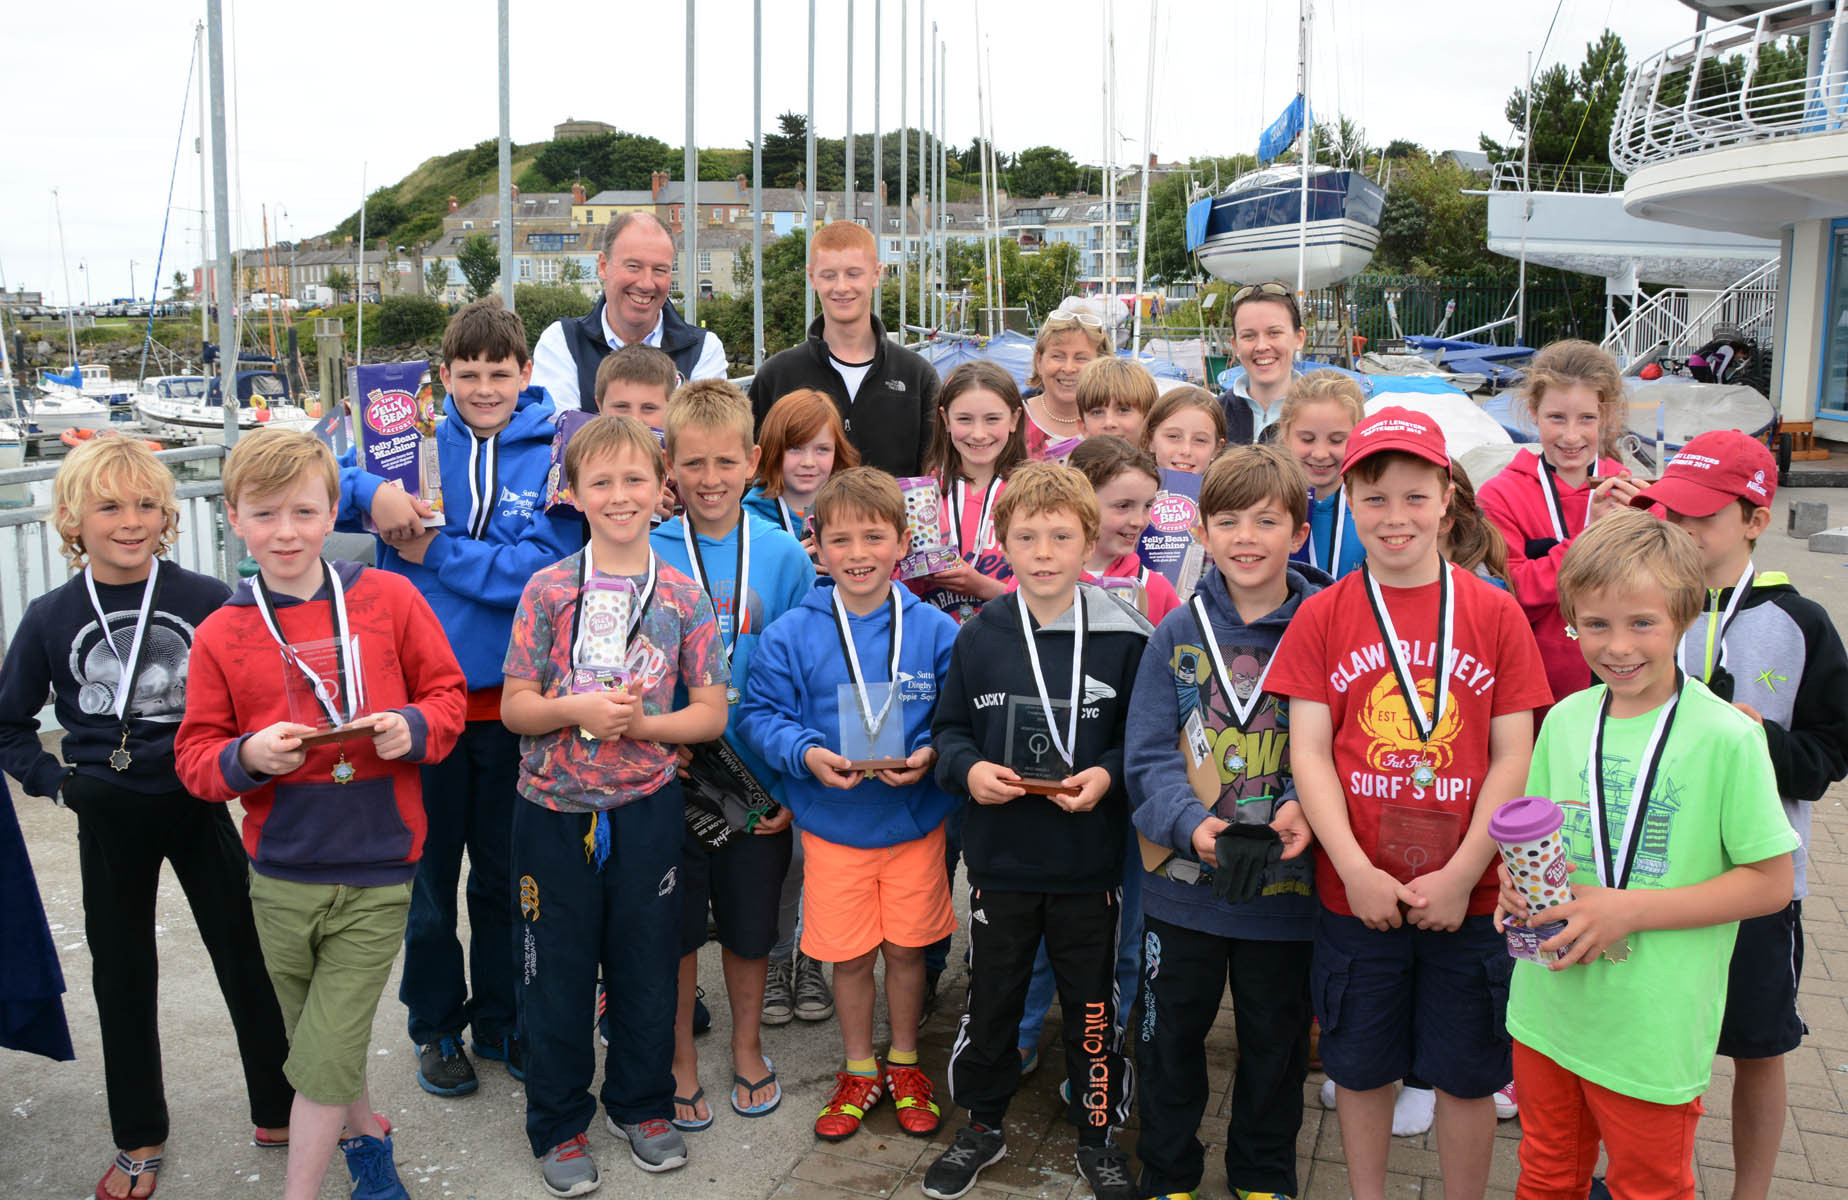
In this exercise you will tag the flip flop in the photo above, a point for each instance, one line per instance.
(134, 1169)
(768, 1106)
(261, 1142)
(695, 1125)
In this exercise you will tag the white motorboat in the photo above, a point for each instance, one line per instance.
(56, 410)
(185, 406)
(93, 380)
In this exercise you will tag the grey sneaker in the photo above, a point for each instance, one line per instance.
(1106, 1169)
(568, 1169)
(957, 1168)
(654, 1145)
(814, 999)
(779, 1004)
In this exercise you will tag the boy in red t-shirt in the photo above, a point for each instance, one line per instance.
(1399, 762)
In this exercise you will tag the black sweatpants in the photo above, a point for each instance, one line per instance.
(122, 839)
(1184, 975)
(577, 918)
(1081, 931)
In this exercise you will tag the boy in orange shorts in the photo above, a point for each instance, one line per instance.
(848, 678)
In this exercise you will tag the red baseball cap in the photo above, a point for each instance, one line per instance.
(1710, 472)
(1397, 428)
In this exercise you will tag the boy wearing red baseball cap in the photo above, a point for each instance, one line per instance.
(1777, 657)
(1412, 687)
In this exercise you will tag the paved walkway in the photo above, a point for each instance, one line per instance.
(54, 1130)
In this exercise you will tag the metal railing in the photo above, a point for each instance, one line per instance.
(1591, 179)
(1721, 88)
(31, 545)
(1666, 323)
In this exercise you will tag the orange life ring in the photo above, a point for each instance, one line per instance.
(76, 437)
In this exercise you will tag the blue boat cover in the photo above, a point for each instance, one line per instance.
(1198, 213)
(71, 378)
(1281, 132)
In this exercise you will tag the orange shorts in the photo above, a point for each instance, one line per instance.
(854, 899)
(1650, 1146)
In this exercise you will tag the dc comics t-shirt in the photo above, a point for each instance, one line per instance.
(1333, 653)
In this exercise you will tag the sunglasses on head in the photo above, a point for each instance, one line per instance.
(1066, 316)
(1273, 288)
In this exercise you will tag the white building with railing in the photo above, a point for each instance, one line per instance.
(1742, 127)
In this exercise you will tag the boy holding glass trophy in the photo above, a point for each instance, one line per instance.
(842, 691)
(1031, 730)
(312, 696)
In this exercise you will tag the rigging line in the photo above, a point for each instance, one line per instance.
(1539, 59)
(192, 60)
(1336, 129)
(1603, 84)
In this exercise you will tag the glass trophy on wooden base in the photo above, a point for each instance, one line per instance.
(872, 738)
(315, 679)
(1030, 748)
(1416, 841)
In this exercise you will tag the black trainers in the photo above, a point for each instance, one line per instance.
(1106, 1169)
(509, 1050)
(957, 1168)
(444, 1070)
(931, 976)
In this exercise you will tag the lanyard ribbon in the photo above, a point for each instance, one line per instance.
(741, 579)
(790, 523)
(1241, 712)
(585, 570)
(895, 640)
(1617, 865)
(137, 649)
(1068, 746)
(345, 666)
(481, 496)
(1334, 538)
(1554, 511)
(1426, 725)
(1718, 622)
(958, 506)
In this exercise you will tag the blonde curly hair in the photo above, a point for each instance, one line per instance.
(110, 468)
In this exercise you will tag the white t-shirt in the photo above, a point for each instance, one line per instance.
(852, 374)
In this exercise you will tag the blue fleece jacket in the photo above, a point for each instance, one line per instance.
(781, 576)
(793, 705)
(474, 585)
(755, 501)
(1177, 678)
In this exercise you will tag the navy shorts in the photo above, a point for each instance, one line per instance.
(741, 884)
(1407, 1002)
(1761, 988)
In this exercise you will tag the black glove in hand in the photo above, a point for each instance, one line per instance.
(1244, 852)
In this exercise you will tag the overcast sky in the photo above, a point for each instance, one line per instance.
(320, 92)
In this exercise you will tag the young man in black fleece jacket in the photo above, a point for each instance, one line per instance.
(886, 394)
(1055, 666)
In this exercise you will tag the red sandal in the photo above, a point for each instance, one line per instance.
(134, 1169)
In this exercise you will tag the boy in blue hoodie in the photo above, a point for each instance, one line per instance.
(753, 572)
(862, 653)
(1228, 893)
(494, 445)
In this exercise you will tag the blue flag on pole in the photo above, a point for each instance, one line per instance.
(1281, 132)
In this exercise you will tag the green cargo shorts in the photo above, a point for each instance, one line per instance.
(329, 950)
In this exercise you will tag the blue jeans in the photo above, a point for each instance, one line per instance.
(1128, 964)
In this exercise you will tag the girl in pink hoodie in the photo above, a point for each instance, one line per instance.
(1540, 502)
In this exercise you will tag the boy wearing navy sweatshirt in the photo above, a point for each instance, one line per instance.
(494, 446)
(1031, 730)
(1229, 893)
(862, 654)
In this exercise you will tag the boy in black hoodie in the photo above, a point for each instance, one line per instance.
(1778, 658)
(1030, 727)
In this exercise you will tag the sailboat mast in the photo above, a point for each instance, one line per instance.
(994, 177)
(904, 162)
(1308, 149)
(269, 283)
(1110, 179)
(70, 308)
(981, 123)
(1527, 141)
(205, 272)
(1142, 207)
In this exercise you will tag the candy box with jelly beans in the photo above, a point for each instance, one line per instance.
(929, 549)
(396, 408)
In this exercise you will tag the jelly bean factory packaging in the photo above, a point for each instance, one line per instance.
(396, 408)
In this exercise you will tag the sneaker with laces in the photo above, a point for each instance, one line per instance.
(1507, 1104)
(854, 1097)
(509, 1050)
(814, 999)
(957, 1168)
(443, 1068)
(568, 1169)
(1244, 1194)
(1106, 1169)
(779, 993)
(375, 1175)
(655, 1145)
(911, 1090)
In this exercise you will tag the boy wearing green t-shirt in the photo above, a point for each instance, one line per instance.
(1675, 834)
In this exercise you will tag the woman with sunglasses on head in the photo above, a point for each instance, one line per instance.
(1067, 342)
(1267, 329)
